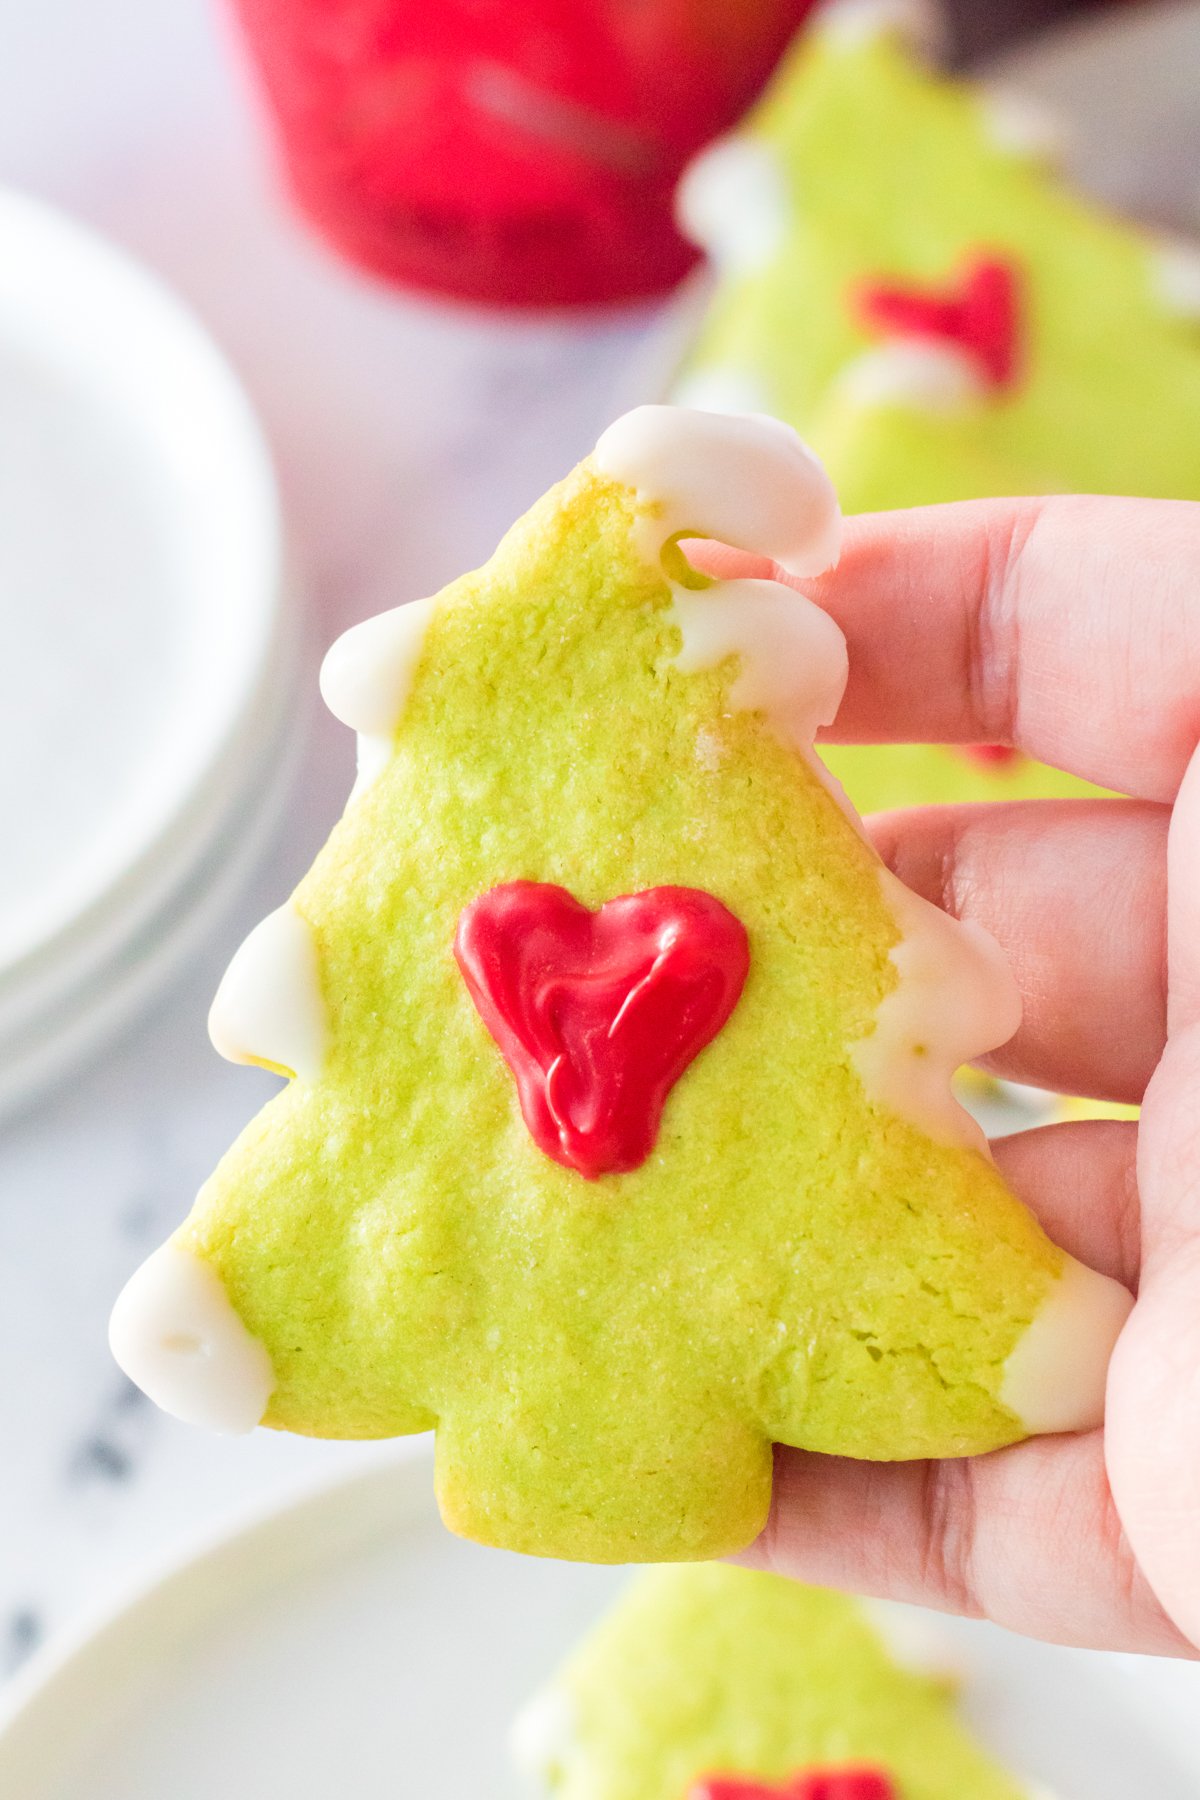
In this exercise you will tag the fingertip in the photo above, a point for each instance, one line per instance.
(724, 563)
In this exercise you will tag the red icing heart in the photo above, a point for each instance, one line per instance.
(979, 315)
(599, 1013)
(852, 1783)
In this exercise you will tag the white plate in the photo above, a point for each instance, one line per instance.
(123, 397)
(145, 700)
(192, 891)
(348, 1648)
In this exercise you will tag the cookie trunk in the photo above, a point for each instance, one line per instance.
(639, 1501)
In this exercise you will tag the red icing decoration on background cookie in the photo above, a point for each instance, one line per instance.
(978, 315)
(598, 1014)
(852, 1783)
(990, 753)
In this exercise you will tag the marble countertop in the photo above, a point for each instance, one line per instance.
(407, 438)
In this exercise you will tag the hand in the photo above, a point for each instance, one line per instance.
(1070, 627)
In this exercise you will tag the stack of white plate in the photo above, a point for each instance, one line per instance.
(144, 657)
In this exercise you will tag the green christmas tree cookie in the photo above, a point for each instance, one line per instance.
(619, 1141)
(720, 1683)
(904, 277)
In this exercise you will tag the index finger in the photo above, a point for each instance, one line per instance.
(1068, 626)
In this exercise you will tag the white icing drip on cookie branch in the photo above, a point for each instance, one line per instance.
(793, 657)
(176, 1335)
(367, 676)
(732, 202)
(1055, 1377)
(746, 480)
(1175, 268)
(910, 373)
(854, 22)
(954, 1000)
(543, 1735)
(752, 483)
(269, 1007)
(1023, 126)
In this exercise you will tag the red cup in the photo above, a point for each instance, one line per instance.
(519, 151)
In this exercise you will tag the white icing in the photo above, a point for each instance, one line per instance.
(793, 664)
(269, 1007)
(955, 999)
(747, 480)
(368, 672)
(850, 23)
(732, 201)
(1023, 126)
(1055, 1377)
(750, 482)
(374, 753)
(176, 1335)
(1176, 276)
(909, 372)
(793, 657)
(543, 1734)
(720, 390)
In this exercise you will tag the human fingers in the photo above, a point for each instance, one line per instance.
(1080, 1180)
(1075, 892)
(1027, 1536)
(1154, 1382)
(1066, 625)
(979, 1535)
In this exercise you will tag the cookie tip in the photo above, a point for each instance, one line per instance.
(541, 1736)
(175, 1333)
(732, 203)
(1055, 1377)
(744, 479)
(1020, 125)
(911, 374)
(269, 1008)
(1175, 273)
(849, 24)
(367, 674)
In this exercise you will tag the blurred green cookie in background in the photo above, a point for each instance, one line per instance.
(721, 1683)
(902, 275)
